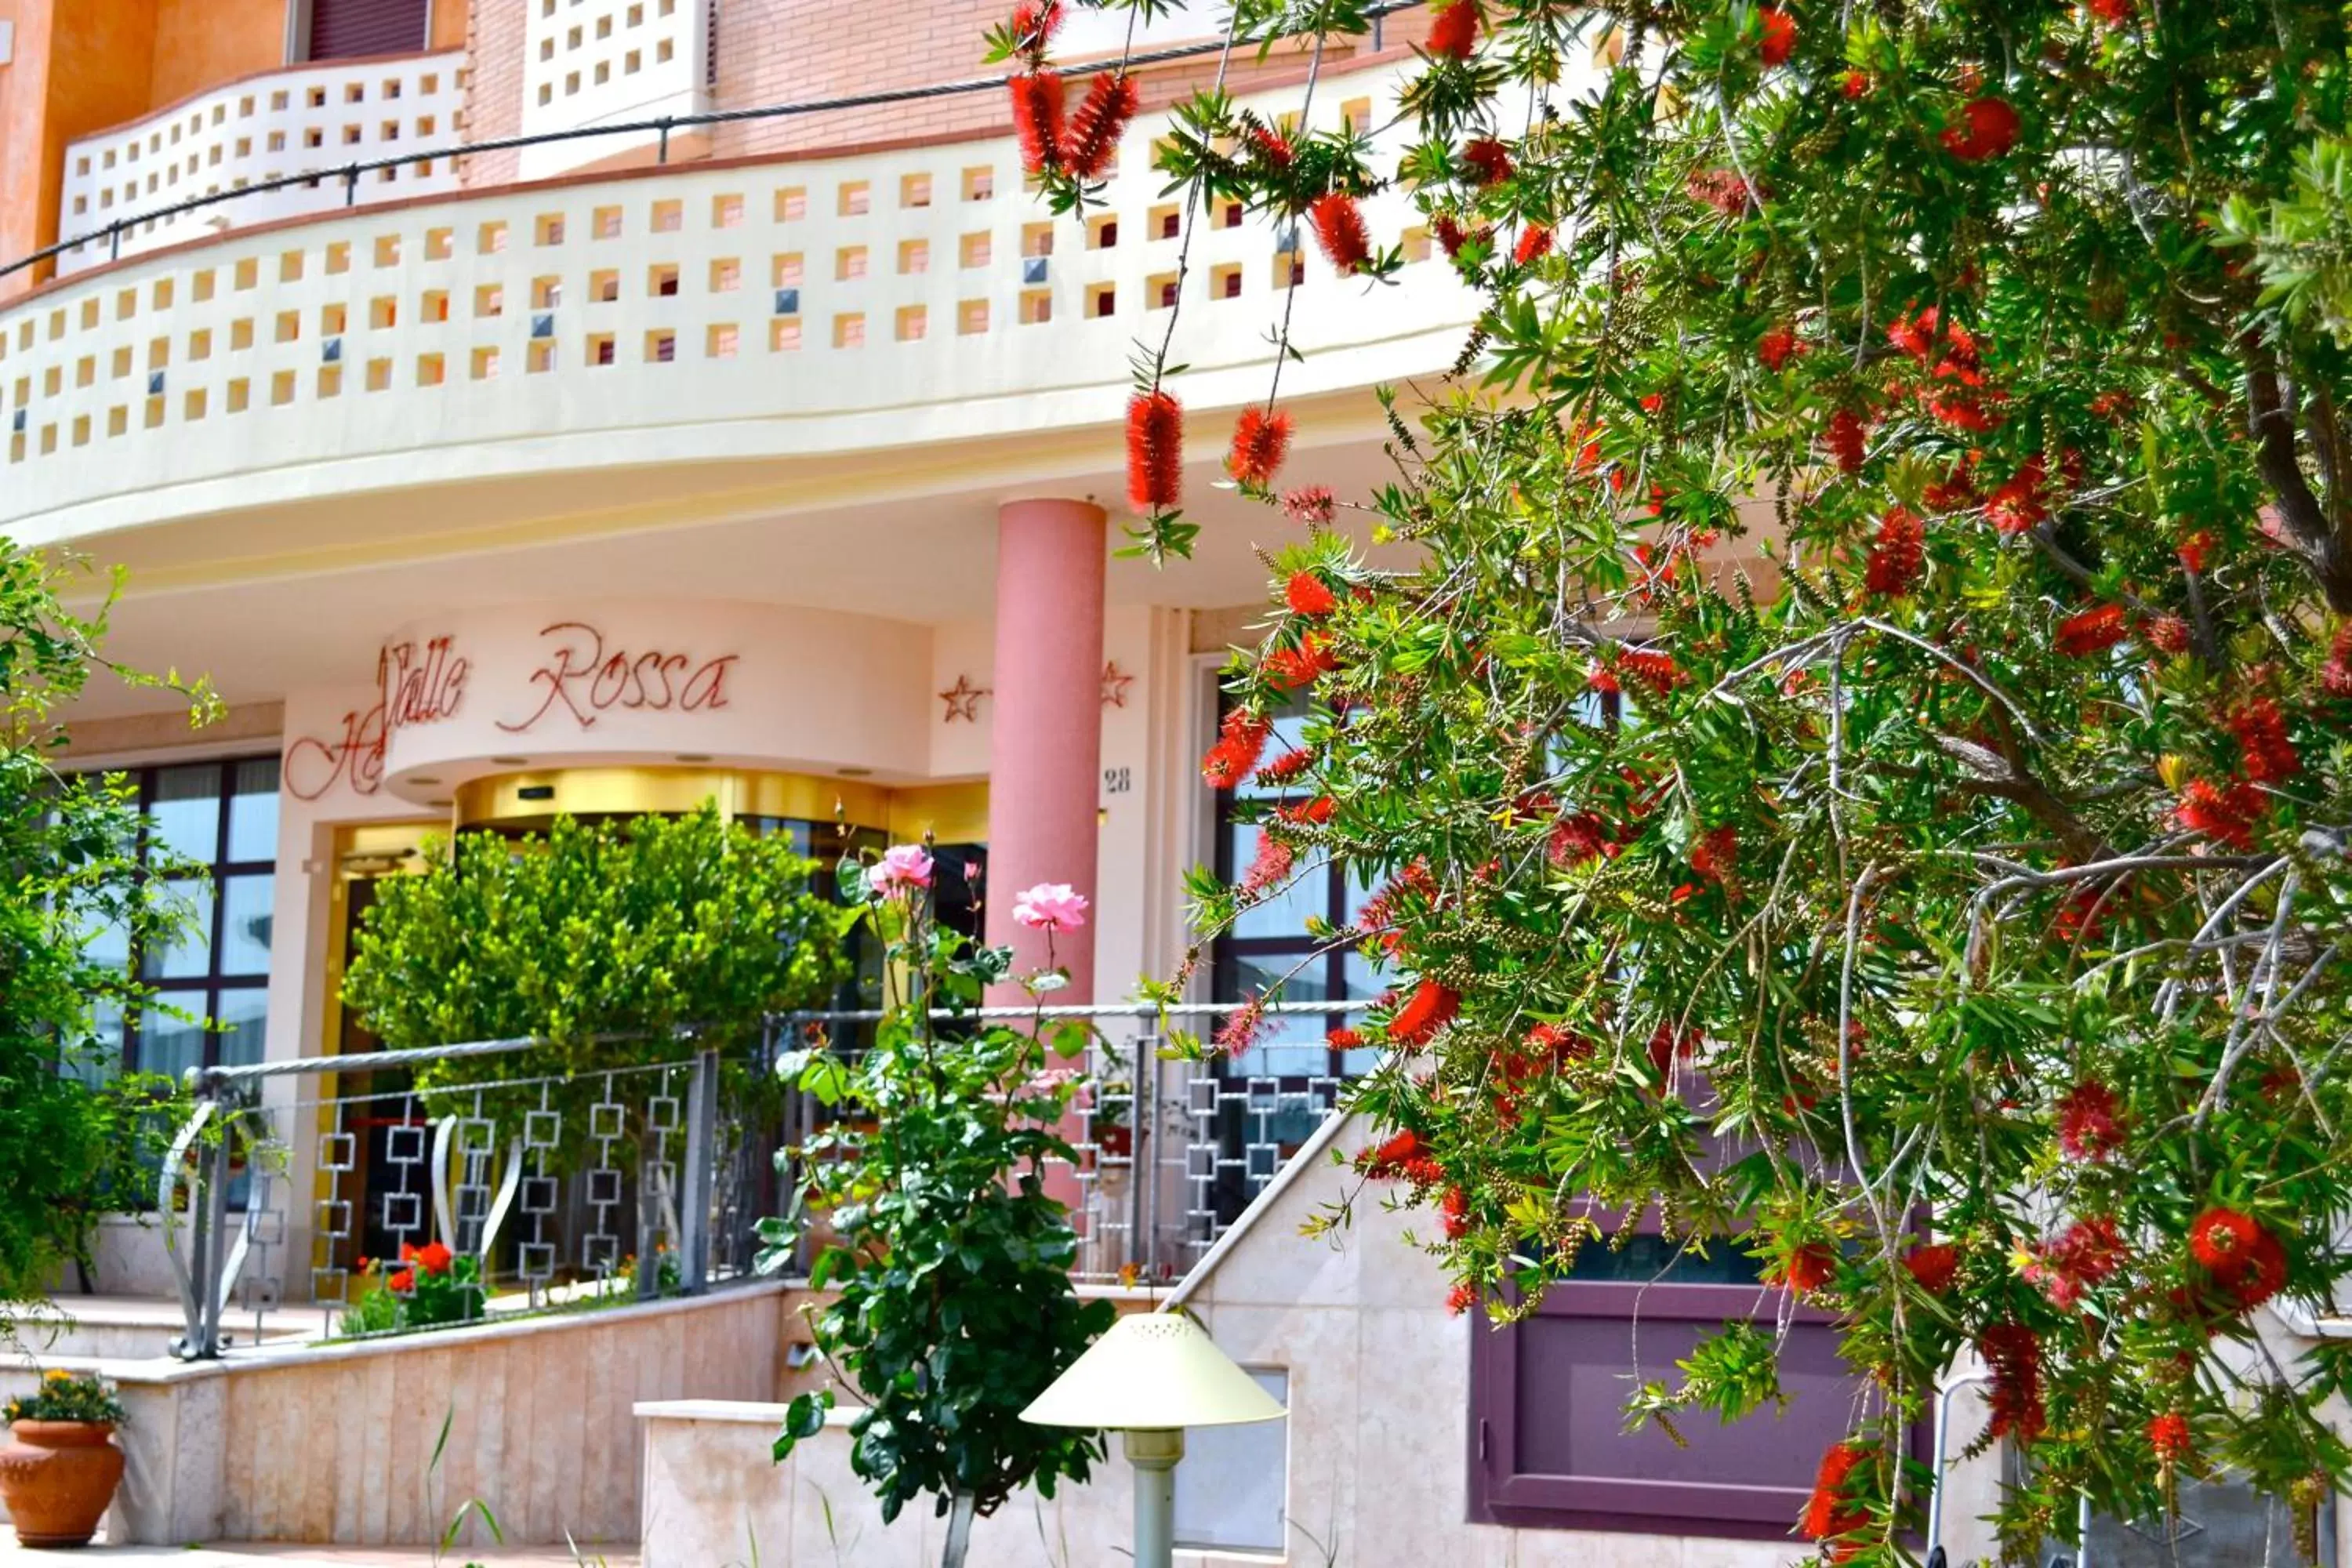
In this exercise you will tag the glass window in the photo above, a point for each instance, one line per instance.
(220, 816)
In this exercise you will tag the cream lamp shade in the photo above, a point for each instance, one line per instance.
(1153, 1371)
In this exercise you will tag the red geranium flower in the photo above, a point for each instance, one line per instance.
(402, 1282)
(433, 1257)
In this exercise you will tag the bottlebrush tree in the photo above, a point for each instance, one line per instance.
(1951, 908)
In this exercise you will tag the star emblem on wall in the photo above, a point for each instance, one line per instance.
(1115, 683)
(963, 700)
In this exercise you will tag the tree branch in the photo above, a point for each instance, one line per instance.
(1998, 775)
(2311, 532)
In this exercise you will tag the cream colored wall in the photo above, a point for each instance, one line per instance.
(335, 1442)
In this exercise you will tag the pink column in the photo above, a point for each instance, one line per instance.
(1045, 724)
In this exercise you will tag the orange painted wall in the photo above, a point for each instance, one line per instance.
(81, 66)
(202, 43)
(449, 18)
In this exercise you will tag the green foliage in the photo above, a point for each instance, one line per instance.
(76, 1138)
(606, 940)
(66, 1396)
(953, 1263)
(1869, 695)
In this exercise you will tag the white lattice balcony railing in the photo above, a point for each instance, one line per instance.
(805, 307)
(608, 62)
(309, 121)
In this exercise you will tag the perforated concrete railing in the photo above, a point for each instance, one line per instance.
(604, 62)
(811, 306)
(312, 119)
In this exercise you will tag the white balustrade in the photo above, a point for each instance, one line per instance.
(312, 119)
(797, 307)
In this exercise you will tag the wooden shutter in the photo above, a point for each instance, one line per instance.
(351, 30)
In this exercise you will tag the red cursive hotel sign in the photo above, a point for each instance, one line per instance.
(580, 673)
(585, 678)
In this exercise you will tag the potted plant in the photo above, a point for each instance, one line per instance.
(60, 1470)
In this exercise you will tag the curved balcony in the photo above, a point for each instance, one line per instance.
(814, 311)
(308, 121)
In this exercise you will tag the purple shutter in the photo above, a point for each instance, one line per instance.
(1547, 1444)
(350, 30)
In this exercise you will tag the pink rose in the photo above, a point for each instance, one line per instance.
(903, 868)
(1050, 906)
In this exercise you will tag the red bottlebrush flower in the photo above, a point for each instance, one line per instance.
(1854, 84)
(2264, 1274)
(2223, 1241)
(1669, 1046)
(1462, 1298)
(1037, 116)
(1716, 856)
(1964, 411)
(2168, 1436)
(1721, 189)
(2092, 631)
(1778, 347)
(1155, 450)
(2020, 504)
(1914, 334)
(1344, 1040)
(1241, 740)
(1261, 440)
(1808, 1267)
(1451, 236)
(1988, 128)
(1454, 1207)
(1271, 146)
(2166, 634)
(1339, 230)
(1535, 243)
(2087, 1252)
(1035, 22)
(1934, 1265)
(1286, 767)
(1956, 490)
(2260, 729)
(1558, 1043)
(2196, 550)
(2013, 1352)
(1389, 1158)
(1430, 1008)
(1488, 159)
(2114, 407)
(1312, 813)
(1655, 671)
(1845, 439)
(1289, 668)
(2224, 813)
(1270, 867)
(2336, 676)
(1779, 40)
(1454, 30)
(1577, 838)
(1092, 141)
(2090, 1121)
(1603, 678)
(1829, 1512)
(1241, 1027)
(2114, 13)
(1897, 555)
(1311, 506)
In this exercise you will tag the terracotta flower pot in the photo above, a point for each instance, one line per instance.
(57, 1479)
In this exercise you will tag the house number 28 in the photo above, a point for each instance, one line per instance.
(1118, 781)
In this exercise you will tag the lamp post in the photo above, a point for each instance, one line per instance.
(1151, 1377)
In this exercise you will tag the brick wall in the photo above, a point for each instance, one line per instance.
(781, 51)
(494, 57)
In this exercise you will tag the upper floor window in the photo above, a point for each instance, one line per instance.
(353, 30)
(221, 816)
